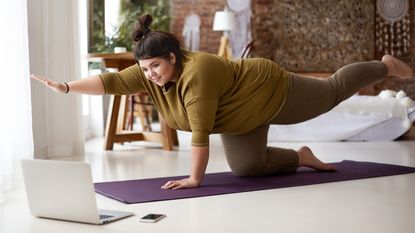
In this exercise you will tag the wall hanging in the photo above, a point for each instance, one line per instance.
(191, 32)
(392, 27)
(241, 35)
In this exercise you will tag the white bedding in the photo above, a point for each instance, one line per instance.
(360, 118)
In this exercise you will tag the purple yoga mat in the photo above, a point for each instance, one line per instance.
(147, 190)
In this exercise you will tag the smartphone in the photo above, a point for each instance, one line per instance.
(152, 217)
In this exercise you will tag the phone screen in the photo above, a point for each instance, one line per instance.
(152, 217)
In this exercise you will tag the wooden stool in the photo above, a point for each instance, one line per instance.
(139, 105)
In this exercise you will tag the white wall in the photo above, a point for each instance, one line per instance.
(54, 53)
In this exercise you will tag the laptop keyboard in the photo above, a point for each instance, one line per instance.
(103, 216)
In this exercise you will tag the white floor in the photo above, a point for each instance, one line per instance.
(378, 205)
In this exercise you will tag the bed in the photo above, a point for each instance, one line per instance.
(384, 117)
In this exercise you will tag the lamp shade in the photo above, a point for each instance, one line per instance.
(224, 21)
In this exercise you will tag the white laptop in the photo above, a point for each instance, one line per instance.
(64, 190)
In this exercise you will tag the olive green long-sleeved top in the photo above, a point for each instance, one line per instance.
(212, 95)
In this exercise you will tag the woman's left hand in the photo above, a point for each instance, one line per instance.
(181, 184)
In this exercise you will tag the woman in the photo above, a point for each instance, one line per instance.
(206, 94)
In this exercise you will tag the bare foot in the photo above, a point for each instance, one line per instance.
(306, 158)
(397, 68)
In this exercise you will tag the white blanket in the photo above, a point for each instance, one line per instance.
(360, 118)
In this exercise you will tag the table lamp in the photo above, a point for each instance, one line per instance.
(224, 21)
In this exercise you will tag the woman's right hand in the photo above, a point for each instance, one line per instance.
(56, 86)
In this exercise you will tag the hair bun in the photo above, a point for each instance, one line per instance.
(142, 27)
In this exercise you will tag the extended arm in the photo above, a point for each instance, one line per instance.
(91, 85)
(200, 158)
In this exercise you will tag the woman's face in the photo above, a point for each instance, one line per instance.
(159, 70)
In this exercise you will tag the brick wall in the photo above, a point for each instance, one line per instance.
(209, 39)
(264, 29)
(262, 23)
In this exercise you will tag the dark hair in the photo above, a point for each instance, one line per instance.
(152, 44)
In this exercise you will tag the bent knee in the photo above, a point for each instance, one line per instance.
(247, 170)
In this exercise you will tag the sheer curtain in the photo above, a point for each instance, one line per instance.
(16, 138)
(54, 52)
(37, 36)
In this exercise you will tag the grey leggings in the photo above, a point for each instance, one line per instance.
(249, 155)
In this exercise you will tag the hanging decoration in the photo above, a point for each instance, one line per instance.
(191, 32)
(241, 35)
(393, 27)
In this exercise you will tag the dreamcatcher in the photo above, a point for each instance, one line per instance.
(241, 35)
(191, 32)
(392, 27)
